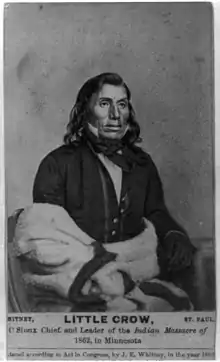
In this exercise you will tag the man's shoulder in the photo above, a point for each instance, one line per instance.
(63, 153)
(62, 150)
(143, 154)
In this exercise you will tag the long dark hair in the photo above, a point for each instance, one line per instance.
(79, 114)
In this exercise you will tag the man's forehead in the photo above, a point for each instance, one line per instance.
(112, 91)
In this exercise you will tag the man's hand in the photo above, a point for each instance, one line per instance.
(179, 251)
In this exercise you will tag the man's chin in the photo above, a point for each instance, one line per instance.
(112, 135)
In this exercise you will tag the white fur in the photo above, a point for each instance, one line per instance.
(45, 233)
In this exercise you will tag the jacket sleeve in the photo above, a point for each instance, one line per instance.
(155, 208)
(49, 183)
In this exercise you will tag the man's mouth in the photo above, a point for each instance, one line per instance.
(112, 128)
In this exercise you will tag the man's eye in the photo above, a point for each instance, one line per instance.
(104, 104)
(122, 105)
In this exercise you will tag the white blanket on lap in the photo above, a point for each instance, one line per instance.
(46, 235)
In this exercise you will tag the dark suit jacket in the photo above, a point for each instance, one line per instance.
(75, 178)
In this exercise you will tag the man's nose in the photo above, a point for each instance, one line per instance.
(114, 112)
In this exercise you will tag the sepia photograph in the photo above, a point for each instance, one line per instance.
(110, 180)
(109, 152)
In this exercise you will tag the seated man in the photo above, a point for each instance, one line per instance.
(112, 191)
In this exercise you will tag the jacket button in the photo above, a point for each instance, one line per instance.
(122, 210)
(115, 220)
(113, 232)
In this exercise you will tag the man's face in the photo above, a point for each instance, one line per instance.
(110, 111)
